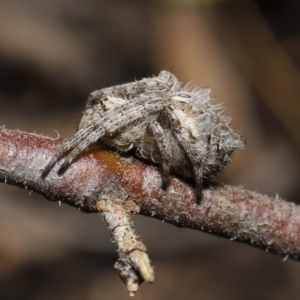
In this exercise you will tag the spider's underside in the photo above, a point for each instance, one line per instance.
(177, 127)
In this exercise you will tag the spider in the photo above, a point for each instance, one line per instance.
(176, 127)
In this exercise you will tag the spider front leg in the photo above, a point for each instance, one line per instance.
(84, 137)
(90, 138)
(155, 131)
(81, 140)
(188, 148)
(94, 128)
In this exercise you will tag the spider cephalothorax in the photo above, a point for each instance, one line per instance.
(177, 127)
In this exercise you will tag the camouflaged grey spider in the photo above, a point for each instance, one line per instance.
(176, 127)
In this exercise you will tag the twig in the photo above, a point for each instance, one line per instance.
(102, 181)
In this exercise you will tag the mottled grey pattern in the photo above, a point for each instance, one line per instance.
(176, 127)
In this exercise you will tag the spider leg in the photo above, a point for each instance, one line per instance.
(158, 134)
(189, 150)
(78, 139)
(198, 179)
(118, 118)
(122, 116)
(93, 137)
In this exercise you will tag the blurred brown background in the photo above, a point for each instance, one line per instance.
(54, 53)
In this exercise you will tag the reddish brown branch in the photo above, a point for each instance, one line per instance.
(232, 212)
